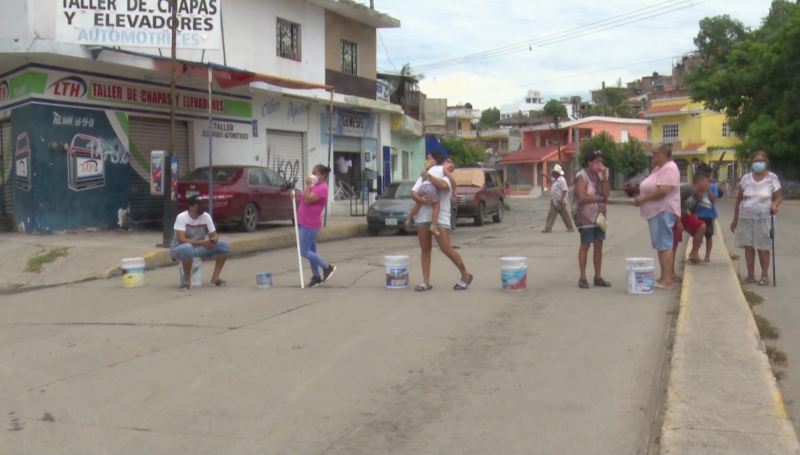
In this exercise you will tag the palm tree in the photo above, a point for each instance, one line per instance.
(407, 71)
(615, 103)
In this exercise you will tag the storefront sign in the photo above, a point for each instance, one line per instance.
(353, 123)
(228, 131)
(23, 162)
(384, 91)
(139, 23)
(174, 179)
(157, 173)
(85, 168)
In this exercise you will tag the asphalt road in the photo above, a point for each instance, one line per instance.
(782, 306)
(349, 368)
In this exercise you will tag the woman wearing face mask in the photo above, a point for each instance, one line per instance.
(592, 190)
(309, 219)
(660, 203)
(757, 201)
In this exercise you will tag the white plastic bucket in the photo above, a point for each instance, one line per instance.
(264, 280)
(640, 272)
(132, 272)
(197, 272)
(397, 268)
(514, 273)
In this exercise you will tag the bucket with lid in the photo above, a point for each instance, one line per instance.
(514, 273)
(640, 273)
(264, 280)
(397, 269)
(132, 272)
(197, 272)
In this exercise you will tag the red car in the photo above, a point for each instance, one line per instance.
(243, 195)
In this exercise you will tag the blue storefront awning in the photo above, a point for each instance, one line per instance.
(433, 144)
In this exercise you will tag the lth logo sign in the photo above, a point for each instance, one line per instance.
(69, 87)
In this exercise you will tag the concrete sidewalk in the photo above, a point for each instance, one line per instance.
(722, 396)
(91, 255)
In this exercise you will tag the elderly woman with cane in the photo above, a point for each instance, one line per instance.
(757, 202)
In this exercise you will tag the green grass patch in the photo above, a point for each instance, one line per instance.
(766, 329)
(779, 374)
(753, 298)
(35, 263)
(776, 356)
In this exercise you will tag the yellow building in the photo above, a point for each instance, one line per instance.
(697, 135)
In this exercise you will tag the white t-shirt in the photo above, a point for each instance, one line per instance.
(559, 188)
(194, 229)
(425, 214)
(435, 171)
(757, 196)
(342, 165)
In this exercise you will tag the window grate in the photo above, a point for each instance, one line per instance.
(288, 40)
(670, 132)
(726, 132)
(349, 57)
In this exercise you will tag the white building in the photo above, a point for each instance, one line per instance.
(92, 81)
(533, 102)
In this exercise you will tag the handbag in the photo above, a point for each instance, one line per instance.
(602, 222)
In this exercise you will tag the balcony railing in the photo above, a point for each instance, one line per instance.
(464, 113)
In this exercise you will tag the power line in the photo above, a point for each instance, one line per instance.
(387, 51)
(605, 24)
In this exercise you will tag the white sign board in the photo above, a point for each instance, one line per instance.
(139, 23)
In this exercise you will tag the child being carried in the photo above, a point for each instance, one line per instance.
(428, 189)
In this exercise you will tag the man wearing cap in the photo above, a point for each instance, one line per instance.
(189, 241)
(558, 205)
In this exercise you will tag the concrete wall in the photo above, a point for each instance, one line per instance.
(338, 28)
(14, 20)
(416, 148)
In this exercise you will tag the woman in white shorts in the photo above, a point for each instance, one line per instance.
(757, 201)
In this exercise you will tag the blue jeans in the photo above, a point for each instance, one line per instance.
(308, 249)
(661, 235)
(186, 251)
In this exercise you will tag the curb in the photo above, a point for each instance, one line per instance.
(162, 258)
(737, 408)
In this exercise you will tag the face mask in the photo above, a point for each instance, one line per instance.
(596, 168)
(314, 179)
(759, 167)
(200, 210)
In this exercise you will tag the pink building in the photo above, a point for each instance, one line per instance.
(539, 152)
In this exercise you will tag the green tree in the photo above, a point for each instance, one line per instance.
(751, 76)
(554, 109)
(631, 158)
(406, 70)
(615, 102)
(489, 117)
(608, 147)
(462, 153)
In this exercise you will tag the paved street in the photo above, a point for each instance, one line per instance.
(781, 306)
(349, 368)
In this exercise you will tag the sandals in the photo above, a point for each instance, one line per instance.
(423, 287)
(220, 284)
(763, 282)
(583, 284)
(749, 280)
(461, 285)
(601, 283)
(185, 287)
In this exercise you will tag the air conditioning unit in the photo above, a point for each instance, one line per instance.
(550, 143)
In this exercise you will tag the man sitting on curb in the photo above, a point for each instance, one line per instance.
(189, 242)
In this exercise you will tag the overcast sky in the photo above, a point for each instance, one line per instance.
(434, 31)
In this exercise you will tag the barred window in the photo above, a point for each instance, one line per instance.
(726, 131)
(349, 57)
(288, 40)
(670, 132)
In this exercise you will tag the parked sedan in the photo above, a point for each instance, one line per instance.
(631, 187)
(243, 195)
(390, 211)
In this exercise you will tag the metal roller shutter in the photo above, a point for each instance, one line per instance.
(285, 156)
(346, 144)
(147, 134)
(6, 176)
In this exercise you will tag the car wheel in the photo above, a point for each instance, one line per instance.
(249, 221)
(480, 216)
(498, 217)
(374, 232)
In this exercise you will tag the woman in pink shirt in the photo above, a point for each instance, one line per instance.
(309, 220)
(660, 203)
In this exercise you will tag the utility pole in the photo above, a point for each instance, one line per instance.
(166, 179)
(605, 100)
